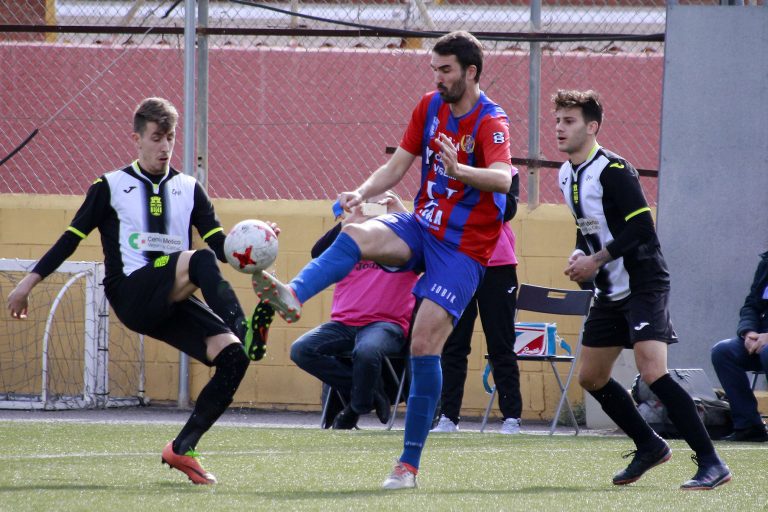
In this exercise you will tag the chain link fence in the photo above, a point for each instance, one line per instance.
(305, 98)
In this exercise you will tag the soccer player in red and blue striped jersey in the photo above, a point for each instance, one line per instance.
(462, 138)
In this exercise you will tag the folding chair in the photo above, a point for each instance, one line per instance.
(397, 378)
(755, 375)
(552, 301)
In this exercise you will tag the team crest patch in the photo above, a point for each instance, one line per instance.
(162, 261)
(468, 143)
(156, 206)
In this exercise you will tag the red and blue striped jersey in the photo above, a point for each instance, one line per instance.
(454, 212)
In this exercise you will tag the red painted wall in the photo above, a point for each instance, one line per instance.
(286, 123)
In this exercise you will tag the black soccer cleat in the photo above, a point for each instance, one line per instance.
(707, 477)
(642, 461)
(257, 331)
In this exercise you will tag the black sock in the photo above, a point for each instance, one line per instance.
(682, 412)
(618, 405)
(204, 273)
(231, 364)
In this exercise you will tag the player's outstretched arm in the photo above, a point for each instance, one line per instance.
(18, 302)
(382, 179)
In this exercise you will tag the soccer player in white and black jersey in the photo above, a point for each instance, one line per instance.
(145, 213)
(617, 248)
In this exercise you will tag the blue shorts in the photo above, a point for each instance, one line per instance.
(450, 278)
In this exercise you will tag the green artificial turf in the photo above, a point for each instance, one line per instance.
(70, 466)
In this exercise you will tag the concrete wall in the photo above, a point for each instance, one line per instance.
(713, 219)
(30, 223)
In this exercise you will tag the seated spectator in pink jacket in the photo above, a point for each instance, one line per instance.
(370, 317)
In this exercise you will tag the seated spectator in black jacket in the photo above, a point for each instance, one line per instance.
(748, 351)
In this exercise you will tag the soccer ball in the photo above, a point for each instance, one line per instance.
(251, 246)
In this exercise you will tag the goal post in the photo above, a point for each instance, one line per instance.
(70, 352)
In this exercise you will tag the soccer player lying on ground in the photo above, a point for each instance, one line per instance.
(617, 248)
(463, 139)
(144, 213)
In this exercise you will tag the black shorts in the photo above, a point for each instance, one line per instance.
(141, 301)
(640, 317)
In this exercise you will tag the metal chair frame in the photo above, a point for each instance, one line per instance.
(553, 301)
(398, 379)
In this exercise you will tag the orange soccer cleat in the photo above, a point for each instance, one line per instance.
(188, 465)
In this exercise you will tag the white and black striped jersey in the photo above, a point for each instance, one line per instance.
(611, 212)
(139, 219)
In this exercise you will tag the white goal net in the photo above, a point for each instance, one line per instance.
(71, 351)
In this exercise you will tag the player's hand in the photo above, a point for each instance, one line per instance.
(274, 227)
(582, 268)
(575, 254)
(18, 299)
(393, 203)
(348, 200)
(448, 155)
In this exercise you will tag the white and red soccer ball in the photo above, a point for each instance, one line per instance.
(251, 246)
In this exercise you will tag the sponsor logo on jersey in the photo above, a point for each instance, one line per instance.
(129, 189)
(156, 206)
(155, 242)
(588, 226)
(367, 265)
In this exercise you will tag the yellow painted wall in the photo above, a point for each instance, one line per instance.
(29, 224)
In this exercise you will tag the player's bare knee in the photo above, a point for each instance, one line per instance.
(425, 348)
(652, 375)
(357, 233)
(591, 382)
(216, 344)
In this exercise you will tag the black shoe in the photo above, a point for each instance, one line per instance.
(642, 461)
(381, 405)
(257, 331)
(707, 477)
(346, 419)
(755, 434)
(335, 406)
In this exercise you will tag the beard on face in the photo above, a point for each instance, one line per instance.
(456, 91)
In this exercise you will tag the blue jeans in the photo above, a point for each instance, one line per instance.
(731, 361)
(315, 352)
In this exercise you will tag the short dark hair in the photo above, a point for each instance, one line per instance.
(155, 110)
(466, 48)
(587, 101)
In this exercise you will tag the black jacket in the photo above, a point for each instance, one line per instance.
(754, 312)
